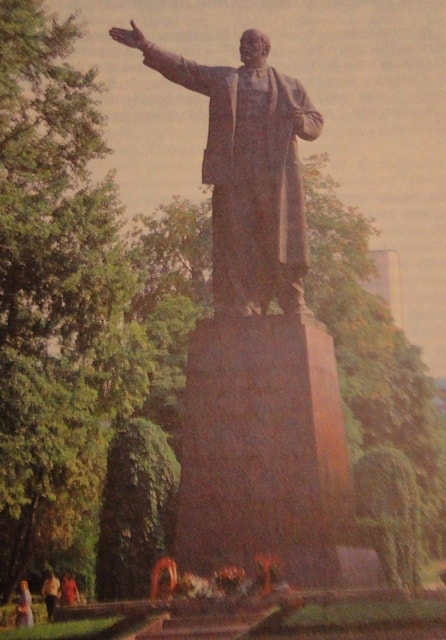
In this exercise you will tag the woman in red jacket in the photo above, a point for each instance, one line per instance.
(69, 590)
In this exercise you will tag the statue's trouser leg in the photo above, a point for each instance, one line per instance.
(239, 275)
(246, 272)
(290, 295)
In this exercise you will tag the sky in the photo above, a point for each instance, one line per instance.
(375, 69)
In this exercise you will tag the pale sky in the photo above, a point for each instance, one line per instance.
(376, 69)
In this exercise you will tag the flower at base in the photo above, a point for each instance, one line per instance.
(194, 586)
(269, 570)
(229, 579)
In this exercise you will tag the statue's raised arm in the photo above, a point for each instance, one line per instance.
(133, 37)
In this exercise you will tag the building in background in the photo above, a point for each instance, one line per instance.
(387, 282)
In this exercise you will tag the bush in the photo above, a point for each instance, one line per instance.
(389, 513)
(136, 524)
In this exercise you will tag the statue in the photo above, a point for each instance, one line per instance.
(260, 247)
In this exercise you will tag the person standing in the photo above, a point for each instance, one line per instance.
(24, 612)
(256, 114)
(50, 594)
(69, 590)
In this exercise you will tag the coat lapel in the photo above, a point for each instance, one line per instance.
(232, 84)
(272, 106)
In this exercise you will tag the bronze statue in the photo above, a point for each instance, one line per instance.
(260, 247)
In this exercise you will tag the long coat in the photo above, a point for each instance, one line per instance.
(220, 85)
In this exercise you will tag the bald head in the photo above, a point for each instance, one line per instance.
(254, 48)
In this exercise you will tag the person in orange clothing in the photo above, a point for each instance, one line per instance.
(69, 590)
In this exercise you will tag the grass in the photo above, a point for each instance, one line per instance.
(111, 628)
(359, 614)
(56, 630)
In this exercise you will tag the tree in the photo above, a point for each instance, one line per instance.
(65, 286)
(172, 254)
(137, 510)
(435, 527)
(168, 329)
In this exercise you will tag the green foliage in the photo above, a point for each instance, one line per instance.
(122, 369)
(53, 460)
(339, 238)
(168, 328)
(50, 127)
(79, 557)
(111, 627)
(172, 255)
(137, 510)
(437, 531)
(354, 432)
(389, 511)
(7, 616)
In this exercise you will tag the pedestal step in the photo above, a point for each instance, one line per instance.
(208, 627)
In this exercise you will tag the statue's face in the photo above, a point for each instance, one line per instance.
(253, 52)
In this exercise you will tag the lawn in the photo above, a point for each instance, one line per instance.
(111, 628)
(350, 616)
(353, 614)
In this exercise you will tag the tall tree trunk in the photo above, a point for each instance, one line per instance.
(23, 551)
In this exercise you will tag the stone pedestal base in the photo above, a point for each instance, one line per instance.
(264, 461)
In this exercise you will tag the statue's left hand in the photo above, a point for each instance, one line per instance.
(297, 116)
(133, 37)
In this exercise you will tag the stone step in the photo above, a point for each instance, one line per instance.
(205, 627)
(203, 632)
(247, 618)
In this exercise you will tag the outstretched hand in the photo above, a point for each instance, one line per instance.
(133, 37)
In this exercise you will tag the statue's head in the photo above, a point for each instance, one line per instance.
(254, 48)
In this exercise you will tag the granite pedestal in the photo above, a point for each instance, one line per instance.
(264, 458)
